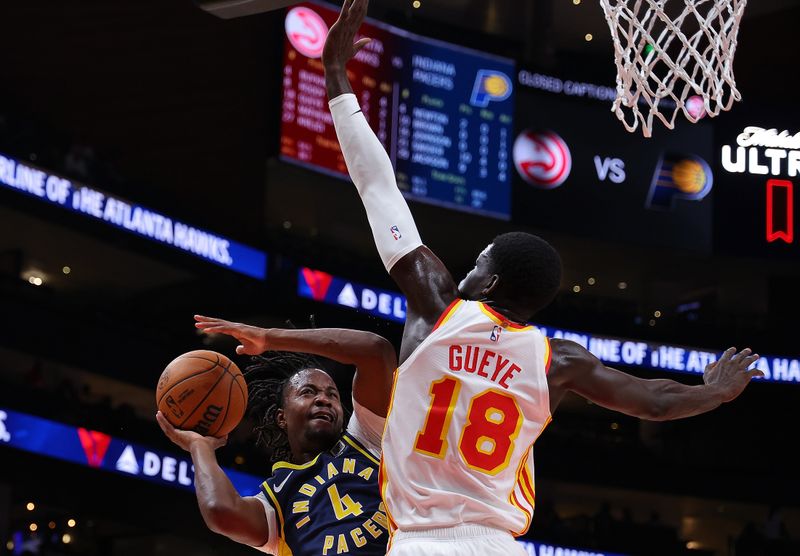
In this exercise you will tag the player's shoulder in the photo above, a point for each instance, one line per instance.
(568, 359)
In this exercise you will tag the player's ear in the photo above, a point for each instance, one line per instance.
(280, 420)
(490, 286)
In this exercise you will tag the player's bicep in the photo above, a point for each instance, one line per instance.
(575, 369)
(427, 284)
(616, 390)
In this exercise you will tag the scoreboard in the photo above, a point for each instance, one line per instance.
(578, 171)
(443, 113)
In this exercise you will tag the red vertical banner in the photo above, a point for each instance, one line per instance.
(780, 211)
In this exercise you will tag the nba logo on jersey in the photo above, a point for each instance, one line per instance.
(395, 232)
(495, 336)
(490, 86)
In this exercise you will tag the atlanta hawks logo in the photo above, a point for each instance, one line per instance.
(542, 158)
(306, 31)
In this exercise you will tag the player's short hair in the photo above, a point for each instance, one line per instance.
(529, 269)
(267, 379)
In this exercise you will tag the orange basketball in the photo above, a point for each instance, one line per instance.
(202, 391)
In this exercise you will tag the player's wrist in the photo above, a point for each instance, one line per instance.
(716, 392)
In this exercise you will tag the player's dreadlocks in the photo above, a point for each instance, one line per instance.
(267, 379)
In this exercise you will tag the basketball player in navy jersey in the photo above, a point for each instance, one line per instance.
(324, 498)
(477, 384)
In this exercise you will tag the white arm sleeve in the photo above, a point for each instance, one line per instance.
(271, 547)
(367, 428)
(371, 170)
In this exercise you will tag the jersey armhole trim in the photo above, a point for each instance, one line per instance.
(266, 489)
(447, 313)
(357, 445)
(548, 355)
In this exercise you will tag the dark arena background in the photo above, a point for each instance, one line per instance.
(157, 161)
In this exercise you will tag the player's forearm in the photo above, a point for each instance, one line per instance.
(673, 400)
(350, 347)
(336, 81)
(216, 495)
(390, 219)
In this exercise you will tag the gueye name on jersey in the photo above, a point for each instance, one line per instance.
(483, 362)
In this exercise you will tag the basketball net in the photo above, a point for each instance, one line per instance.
(673, 57)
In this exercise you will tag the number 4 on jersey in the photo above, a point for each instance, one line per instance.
(343, 505)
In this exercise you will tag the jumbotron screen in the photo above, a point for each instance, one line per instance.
(443, 113)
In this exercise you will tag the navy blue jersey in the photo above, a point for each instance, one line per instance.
(330, 505)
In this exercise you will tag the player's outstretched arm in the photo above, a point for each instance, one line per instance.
(573, 368)
(224, 511)
(372, 355)
(425, 281)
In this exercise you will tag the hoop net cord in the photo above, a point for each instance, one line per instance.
(661, 62)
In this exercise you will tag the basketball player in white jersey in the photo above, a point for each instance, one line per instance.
(476, 385)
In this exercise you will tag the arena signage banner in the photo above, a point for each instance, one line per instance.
(101, 451)
(542, 549)
(133, 218)
(324, 287)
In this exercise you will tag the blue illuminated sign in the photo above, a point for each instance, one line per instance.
(324, 287)
(542, 549)
(132, 218)
(101, 451)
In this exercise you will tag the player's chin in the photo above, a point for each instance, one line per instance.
(324, 427)
(323, 433)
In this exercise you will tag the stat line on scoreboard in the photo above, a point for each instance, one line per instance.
(443, 113)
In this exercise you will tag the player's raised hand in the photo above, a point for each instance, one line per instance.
(341, 46)
(185, 439)
(253, 339)
(730, 374)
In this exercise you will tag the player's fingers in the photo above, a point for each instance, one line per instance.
(728, 354)
(203, 318)
(214, 328)
(744, 353)
(755, 373)
(346, 7)
(164, 424)
(749, 360)
(360, 44)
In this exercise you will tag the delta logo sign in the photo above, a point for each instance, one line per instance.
(101, 451)
(326, 288)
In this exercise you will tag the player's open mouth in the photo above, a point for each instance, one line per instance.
(323, 416)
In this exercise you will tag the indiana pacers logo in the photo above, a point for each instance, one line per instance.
(679, 176)
(542, 158)
(306, 31)
(490, 86)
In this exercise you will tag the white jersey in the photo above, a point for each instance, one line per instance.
(466, 409)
